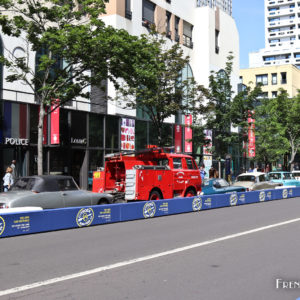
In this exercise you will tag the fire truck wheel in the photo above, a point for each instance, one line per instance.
(155, 195)
(190, 193)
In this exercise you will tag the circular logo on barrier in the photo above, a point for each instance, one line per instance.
(197, 204)
(149, 210)
(85, 217)
(284, 193)
(262, 196)
(233, 199)
(2, 225)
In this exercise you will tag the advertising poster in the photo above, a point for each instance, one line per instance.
(178, 138)
(188, 134)
(55, 122)
(127, 134)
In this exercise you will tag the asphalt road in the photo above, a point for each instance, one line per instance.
(228, 253)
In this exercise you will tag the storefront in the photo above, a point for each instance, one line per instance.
(84, 139)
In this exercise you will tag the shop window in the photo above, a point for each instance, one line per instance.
(148, 13)
(167, 135)
(96, 160)
(141, 132)
(95, 130)
(34, 120)
(78, 128)
(112, 133)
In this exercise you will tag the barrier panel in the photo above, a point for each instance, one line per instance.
(12, 224)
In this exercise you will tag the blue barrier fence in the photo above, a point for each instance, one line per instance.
(13, 224)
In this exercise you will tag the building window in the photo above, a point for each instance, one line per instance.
(262, 79)
(217, 32)
(177, 20)
(168, 24)
(274, 78)
(283, 78)
(128, 13)
(274, 94)
(187, 34)
(112, 133)
(148, 13)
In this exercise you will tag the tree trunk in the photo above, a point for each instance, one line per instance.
(40, 139)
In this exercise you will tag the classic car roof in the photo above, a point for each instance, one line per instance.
(46, 183)
(252, 174)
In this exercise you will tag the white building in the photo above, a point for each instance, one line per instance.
(89, 129)
(282, 35)
(205, 28)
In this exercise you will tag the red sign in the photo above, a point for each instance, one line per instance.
(251, 137)
(55, 122)
(188, 134)
(178, 137)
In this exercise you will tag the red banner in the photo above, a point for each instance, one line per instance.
(55, 122)
(251, 137)
(188, 134)
(178, 137)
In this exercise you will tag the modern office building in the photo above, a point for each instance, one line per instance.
(272, 79)
(282, 35)
(89, 129)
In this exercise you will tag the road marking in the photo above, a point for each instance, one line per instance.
(141, 259)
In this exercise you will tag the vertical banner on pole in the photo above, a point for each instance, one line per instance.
(55, 122)
(188, 134)
(251, 137)
(178, 138)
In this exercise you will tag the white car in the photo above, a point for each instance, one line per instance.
(253, 181)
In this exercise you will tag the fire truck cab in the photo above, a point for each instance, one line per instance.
(148, 175)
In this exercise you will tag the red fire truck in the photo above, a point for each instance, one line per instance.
(151, 174)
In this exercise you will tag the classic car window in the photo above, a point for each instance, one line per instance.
(190, 164)
(246, 178)
(288, 176)
(274, 176)
(20, 184)
(177, 164)
(66, 184)
(296, 174)
(220, 183)
(262, 178)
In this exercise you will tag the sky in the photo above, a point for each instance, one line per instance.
(249, 18)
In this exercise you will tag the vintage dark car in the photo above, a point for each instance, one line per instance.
(50, 191)
(219, 186)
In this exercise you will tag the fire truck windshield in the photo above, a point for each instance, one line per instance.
(162, 161)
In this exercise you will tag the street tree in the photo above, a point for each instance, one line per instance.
(76, 50)
(154, 85)
(67, 34)
(279, 127)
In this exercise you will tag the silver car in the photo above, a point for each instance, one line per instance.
(255, 181)
(49, 191)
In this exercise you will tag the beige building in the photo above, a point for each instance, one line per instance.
(272, 79)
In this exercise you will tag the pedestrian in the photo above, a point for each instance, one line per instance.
(13, 166)
(212, 172)
(202, 172)
(8, 180)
